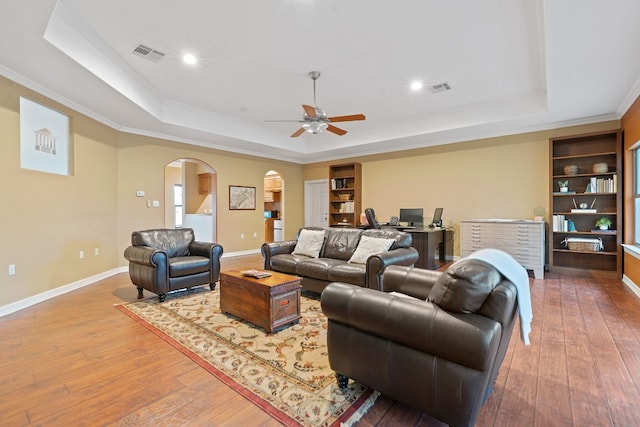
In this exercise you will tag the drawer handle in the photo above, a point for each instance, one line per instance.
(284, 302)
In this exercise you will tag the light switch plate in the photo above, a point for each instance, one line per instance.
(140, 193)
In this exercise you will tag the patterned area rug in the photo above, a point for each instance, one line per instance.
(286, 374)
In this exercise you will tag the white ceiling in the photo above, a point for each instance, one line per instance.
(513, 66)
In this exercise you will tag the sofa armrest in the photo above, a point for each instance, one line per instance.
(270, 249)
(145, 255)
(376, 264)
(466, 339)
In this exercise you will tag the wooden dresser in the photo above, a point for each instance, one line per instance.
(522, 239)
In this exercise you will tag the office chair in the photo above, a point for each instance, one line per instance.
(371, 218)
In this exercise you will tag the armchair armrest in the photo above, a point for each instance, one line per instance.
(206, 249)
(270, 249)
(466, 339)
(416, 282)
(145, 255)
(376, 264)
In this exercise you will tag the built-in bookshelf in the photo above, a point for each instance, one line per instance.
(345, 194)
(585, 181)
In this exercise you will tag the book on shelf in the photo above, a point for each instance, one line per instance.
(602, 185)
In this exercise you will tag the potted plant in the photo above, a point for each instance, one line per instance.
(603, 223)
(564, 186)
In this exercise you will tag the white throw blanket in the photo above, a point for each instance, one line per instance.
(515, 273)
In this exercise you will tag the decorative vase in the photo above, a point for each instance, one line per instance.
(570, 169)
(603, 227)
(564, 189)
(600, 168)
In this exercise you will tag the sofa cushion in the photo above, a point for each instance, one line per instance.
(309, 243)
(348, 273)
(464, 286)
(369, 246)
(316, 268)
(341, 243)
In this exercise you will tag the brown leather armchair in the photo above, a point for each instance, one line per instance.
(165, 260)
(438, 350)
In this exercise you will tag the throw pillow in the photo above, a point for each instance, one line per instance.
(464, 286)
(309, 243)
(369, 246)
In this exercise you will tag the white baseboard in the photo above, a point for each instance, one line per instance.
(43, 296)
(52, 293)
(632, 286)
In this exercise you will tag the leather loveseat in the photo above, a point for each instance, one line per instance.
(337, 247)
(433, 340)
(166, 259)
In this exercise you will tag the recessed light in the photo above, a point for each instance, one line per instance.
(189, 59)
(417, 85)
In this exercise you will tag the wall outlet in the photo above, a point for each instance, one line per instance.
(12, 269)
(96, 251)
(148, 203)
(242, 235)
(81, 254)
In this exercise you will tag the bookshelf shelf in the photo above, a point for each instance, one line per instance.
(345, 194)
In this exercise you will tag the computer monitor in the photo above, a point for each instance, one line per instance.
(437, 218)
(412, 216)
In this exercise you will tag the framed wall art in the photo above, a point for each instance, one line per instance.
(242, 198)
(44, 138)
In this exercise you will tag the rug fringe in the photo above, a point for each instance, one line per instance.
(355, 417)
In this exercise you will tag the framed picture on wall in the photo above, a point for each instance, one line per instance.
(242, 198)
(44, 138)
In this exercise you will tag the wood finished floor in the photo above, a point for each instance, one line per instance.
(76, 360)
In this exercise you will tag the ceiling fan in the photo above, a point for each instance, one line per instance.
(315, 120)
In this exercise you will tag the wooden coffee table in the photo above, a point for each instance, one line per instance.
(270, 302)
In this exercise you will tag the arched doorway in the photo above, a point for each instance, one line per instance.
(190, 197)
(273, 207)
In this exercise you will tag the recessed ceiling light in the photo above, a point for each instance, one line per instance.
(417, 85)
(189, 59)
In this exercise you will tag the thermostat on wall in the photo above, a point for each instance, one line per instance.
(140, 193)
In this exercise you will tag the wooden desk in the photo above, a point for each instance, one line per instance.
(434, 246)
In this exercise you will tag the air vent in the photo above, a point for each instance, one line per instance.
(148, 52)
(440, 87)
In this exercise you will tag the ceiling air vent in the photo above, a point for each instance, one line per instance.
(148, 52)
(440, 87)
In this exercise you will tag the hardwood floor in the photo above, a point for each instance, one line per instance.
(76, 360)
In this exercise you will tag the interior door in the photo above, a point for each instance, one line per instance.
(316, 203)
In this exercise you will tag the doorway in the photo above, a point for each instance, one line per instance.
(273, 207)
(190, 197)
(316, 203)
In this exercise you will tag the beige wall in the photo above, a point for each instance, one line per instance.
(504, 177)
(47, 219)
(141, 164)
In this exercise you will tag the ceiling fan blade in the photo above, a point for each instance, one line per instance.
(347, 118)
(297, 133)
(336, 130)
(311, 111)
(287, 121)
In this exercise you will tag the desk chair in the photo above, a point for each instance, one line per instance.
(371, 218)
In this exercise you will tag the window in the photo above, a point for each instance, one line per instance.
(177, 204)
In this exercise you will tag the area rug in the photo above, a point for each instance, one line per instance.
(286, 374)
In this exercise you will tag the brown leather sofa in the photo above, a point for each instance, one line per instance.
(438, 352)
(332, 264)
(166, 259)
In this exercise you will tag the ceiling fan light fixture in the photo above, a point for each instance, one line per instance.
(314, 127)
